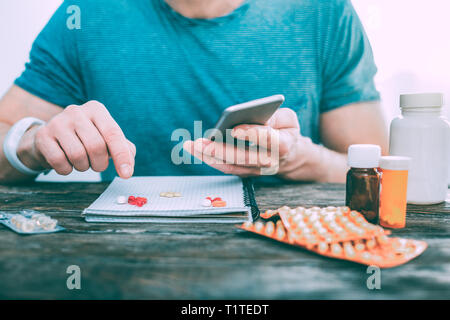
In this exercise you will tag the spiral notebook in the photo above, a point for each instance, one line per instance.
(236, 192)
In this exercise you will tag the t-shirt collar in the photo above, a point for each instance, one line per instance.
(239, 11)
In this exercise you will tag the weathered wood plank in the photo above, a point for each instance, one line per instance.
(207, 261)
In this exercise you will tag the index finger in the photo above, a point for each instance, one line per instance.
(264, 136)
(115, 140)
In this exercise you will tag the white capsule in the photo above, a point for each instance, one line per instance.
(370, 243)
(348, 225)
(17, 220)
(306, 231)
(50, 224)
(349, 250)
(311, 239)
(270, 228)
(259, 226)
(366, 255)
(344, 220)
(280, 232)
(284, 209)
(42, 220)
(353, 214)
(382, 239)
(339, 213)
(360, 220)
(27, 226)
(247, 225)
(379, 229)
(322, 247)
(300, 209)
(336, 249)
(333, 225)
(122, 200)
(301, 225)
(206, 203)
(36, 216)
(359, 246)
(317, 224)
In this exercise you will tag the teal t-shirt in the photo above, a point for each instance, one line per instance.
(157, 71)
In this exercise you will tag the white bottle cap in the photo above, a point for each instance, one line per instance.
(395, 163)
(364, 155)
(422, 100)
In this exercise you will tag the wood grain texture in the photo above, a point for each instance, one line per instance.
(206, 261)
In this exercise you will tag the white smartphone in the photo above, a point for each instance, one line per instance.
(252, 112)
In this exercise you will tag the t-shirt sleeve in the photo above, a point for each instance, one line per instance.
(53, 71)
(348, 64)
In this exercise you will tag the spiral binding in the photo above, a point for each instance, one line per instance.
(249, 197)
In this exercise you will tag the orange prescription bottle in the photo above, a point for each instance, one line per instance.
(394, 182)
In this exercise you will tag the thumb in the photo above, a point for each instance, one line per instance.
(284, 118)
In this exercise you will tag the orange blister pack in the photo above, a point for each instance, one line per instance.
(336, 232)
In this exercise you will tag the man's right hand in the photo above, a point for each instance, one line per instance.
(79, 137)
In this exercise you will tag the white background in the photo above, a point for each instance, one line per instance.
(410, 39)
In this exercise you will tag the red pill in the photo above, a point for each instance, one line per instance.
(137, 201)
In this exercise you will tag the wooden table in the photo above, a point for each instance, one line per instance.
(209, 261)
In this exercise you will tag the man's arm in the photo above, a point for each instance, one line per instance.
(75, 137)
(15, 105)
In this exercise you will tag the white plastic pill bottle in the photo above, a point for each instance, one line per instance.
(422, 133)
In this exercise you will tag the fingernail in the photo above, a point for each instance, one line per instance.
(125, 170)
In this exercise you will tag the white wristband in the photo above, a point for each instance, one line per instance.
(12, 140)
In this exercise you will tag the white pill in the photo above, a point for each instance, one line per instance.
(50, 224)
(206, 203)
(36, 216)
(122, 200)
(28, 226)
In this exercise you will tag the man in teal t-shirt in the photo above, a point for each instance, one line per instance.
(117, 80)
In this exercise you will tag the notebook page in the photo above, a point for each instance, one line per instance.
(192, 188)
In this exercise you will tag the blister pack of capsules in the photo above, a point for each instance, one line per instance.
(336, 232)
(30, 222)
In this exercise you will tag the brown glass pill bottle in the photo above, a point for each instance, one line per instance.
(363, 180)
